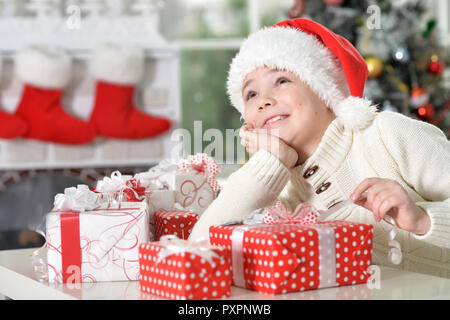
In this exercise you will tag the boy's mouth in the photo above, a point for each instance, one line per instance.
(274, 120)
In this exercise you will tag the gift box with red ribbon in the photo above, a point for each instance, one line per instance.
(192, 179)
(90, 240)
(174, 222)
(301, 254)
(178, 269)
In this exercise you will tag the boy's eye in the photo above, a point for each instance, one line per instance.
(282, 80)
(250, 95)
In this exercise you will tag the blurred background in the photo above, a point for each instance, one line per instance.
(188, 47)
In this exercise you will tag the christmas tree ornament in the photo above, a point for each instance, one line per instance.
(45, 71)
(418, 97)
(426, 112)
(10, 126)
(436, 66)
(118, 69)
(297, 10)
(401, 55)
(375, 66)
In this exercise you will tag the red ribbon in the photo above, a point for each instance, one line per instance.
(136, 190)
(70, 247)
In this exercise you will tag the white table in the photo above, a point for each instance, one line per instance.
(17, 281)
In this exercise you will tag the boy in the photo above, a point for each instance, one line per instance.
(299, 86)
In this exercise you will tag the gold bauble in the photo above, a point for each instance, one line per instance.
(375, 66)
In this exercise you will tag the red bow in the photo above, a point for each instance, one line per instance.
(202, 163)
(304, 214)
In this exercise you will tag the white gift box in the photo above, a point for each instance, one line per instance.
(97, 245)
(192, 190)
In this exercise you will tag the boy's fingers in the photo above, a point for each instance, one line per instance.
(377, 200)
(362, 187)
(384, 208)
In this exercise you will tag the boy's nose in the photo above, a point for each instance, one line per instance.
(268, 102)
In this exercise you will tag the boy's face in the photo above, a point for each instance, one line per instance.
(276, 99)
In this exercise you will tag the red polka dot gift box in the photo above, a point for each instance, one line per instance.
(178, 269)
(175, 222)
(291, 257)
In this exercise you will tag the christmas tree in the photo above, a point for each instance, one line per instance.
(398, 40)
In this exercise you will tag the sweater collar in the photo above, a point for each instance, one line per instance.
(331, 151)
(325, 161)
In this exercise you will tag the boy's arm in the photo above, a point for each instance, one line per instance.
(422, 153)
(257, 184)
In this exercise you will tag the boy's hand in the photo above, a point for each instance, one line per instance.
(386, 196)
(256, 139)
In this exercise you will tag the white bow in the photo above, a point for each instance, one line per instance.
(173, 245)
(148, 180)
(77, 199)
(116, 183)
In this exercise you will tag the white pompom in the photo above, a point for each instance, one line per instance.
(355, 113)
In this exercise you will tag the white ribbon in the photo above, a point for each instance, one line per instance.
(149, 181)
(38, 256)
(117, 183)
(395, 255)
(327, 255)
(237, 253)
(173, 245)
(77, 199)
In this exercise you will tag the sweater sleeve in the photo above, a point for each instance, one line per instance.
(422, 154)
(257, 184)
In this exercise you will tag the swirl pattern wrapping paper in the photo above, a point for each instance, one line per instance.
(96, 245)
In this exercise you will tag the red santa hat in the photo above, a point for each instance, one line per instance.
(328, 63)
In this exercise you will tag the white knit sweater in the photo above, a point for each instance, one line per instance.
(414, 153)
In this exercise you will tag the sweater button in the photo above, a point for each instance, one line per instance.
(310, 172)
(323, 187)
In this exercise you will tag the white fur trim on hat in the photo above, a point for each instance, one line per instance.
(310, 60)
(44, 66)
(119, 64)
(355, 113)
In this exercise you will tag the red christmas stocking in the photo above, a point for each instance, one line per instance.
(118, 69)
(45, 71)
(11, 126)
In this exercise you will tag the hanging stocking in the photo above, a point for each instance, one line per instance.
(45, 71)
(118, 70)
(10, 126)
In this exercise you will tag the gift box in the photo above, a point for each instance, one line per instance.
(283, 258)
(179, 269)
(175, 222)
(89, 240)
(192, 179)
(125, 188)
